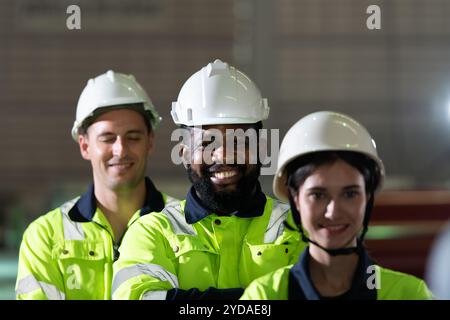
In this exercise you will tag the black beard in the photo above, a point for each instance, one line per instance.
(224, 201)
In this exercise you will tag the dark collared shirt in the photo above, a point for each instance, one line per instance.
(84, 209)
(301, 286)
(194, 209)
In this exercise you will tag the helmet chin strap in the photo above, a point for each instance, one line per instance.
(339, 251)
(336, 252)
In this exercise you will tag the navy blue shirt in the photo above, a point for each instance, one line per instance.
(301, 286)
(84, 209)
(195, 210)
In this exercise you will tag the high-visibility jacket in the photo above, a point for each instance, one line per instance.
(167, 250)
(68, 252)
(371, 282)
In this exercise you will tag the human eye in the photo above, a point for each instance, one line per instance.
(206, 143)
(350, 194)
(242, 142)
(317, 195)
(212, 143)
(107, 138)
(134, 137)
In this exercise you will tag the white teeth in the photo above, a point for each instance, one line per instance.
(224, 174)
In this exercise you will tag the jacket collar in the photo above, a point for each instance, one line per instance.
(301, 286)
(84, 209)
(194, 209)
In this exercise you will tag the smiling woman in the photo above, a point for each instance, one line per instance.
(332, 200)
(329, 171)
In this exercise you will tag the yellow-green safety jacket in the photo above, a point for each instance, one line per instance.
(371, 282)
(187, 248)
(68, 252)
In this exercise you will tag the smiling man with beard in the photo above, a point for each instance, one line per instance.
(224, 185)
(227, 232)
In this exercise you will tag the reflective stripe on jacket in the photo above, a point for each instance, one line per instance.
(62, 258)
(162, 251)
(370, 282)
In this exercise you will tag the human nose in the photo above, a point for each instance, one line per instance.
(119, 147)
(231, 151)
(331, 209)
(219, 154)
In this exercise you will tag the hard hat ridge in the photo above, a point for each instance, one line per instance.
(112, 89)
(219, 94)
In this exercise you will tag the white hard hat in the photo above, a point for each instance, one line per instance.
(111, 89)
(322, 131)
(219, 94)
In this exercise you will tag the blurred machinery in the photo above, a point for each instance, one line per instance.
(404, 226)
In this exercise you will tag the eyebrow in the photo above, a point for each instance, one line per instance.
(353, 186)
(135, 131)
(316, 189)
(104, 134)
(109, 133)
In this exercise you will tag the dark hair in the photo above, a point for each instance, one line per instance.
(138, 107)
(299, 170)
(257, 125)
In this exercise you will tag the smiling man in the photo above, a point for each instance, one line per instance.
(68, 253)
(227, 232)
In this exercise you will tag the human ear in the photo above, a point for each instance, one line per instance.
(185, 154)
(83, 142)
(151, 142)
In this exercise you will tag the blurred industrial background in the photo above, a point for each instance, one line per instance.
(305, 55)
